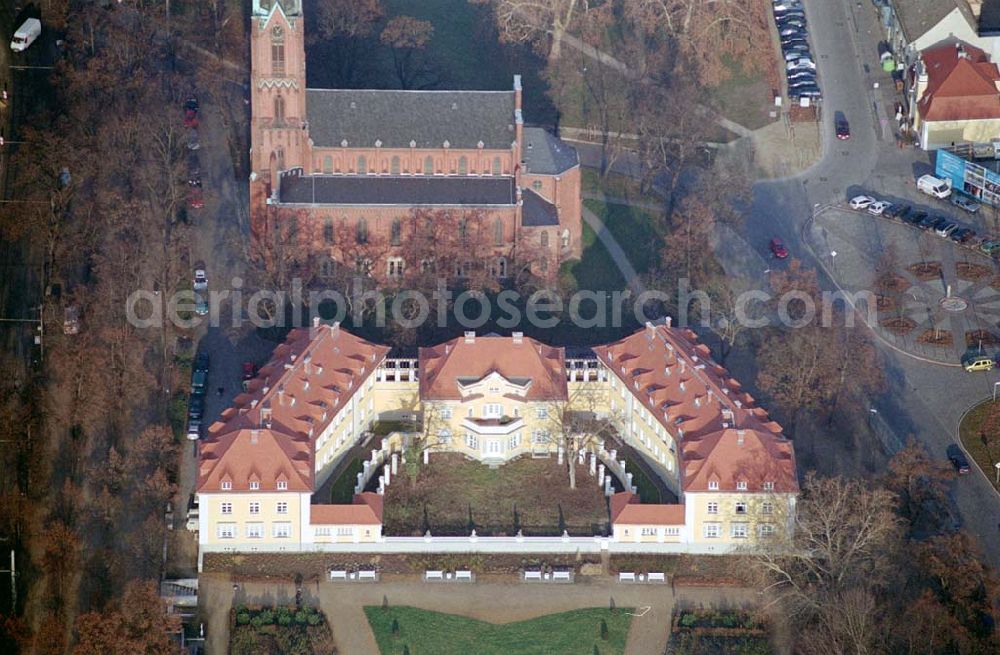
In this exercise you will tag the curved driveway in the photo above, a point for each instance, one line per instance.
(923, 399)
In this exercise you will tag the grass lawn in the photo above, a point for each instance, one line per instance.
(648, 493)
(342, 491)
(633, 229)
(530, 494)
(987, 452)
(744, 98)
(433, 633)
(595, 271)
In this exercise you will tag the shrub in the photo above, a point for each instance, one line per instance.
(266, 617)
(300, 617)
(242, 618)
(604, 630)
(284, 620)
(314, 619)
(406, 650)
(256, 622)
(395, 627)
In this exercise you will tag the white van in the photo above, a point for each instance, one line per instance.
(26, 34)
(933, 186)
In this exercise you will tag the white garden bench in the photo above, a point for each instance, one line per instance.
(338, 575)
(626, 577)
(367, 575)
(561, 576)
(657, 577)
(532, 575)
(433, 575)
(463, 575)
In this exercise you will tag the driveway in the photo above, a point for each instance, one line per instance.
(494, 599)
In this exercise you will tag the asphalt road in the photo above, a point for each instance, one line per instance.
(924, 400)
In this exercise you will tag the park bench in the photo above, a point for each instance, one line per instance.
(463, 575)
(657, 577)
(367, 575)
(433, 575)
(626, 577)
(532, 575)
(561, 576)
(338, 575)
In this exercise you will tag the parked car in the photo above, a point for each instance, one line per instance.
(793, 40)
(990, 247)
(878, 207)
(963, 235)
(795, 53)
(916, 217)
(192, 513)
(945, 229)
(978, 363)
(841, 126)
(201, 306)
(896, 211)
(196, 407)
(200, 279)
(778, 248)
(965, 203)
(801, 64)
(191, 112)
(861, 202)
(792, 21)
(201, 362)
(194, 430)
(933, 186)
(958, 459)
(249, 370)
(789, 31)
(930, 222)
(196, 199)
(807, 92)
(193, 143)
(198, 381)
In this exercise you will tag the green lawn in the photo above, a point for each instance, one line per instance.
(743, 98)
(648, 493)
(596, 270)
(432, 633)
(633, 229)
(985, 453)
(342, 491)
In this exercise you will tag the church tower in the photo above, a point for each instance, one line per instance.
(278, 137)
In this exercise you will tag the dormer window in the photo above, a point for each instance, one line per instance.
(226, 486)
(741, 485)
(713, 485)
(254, 486)
(768, 486)
(282, 485)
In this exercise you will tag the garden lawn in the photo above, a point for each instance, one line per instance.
(743, 98)
(342, 491)
(530, 494)
(431, 633)
(595, 271)
(634, 230)
(987, 453)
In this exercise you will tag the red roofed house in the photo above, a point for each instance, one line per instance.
(958, 96)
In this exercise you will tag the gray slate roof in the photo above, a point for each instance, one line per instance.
(918, 16)
(360, 190)
(536, 211)
(362, 117)
(989, 18)
(546, 154)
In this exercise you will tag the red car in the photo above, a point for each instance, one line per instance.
(195, 198)
(191, 112)
(843, 129)
(778, 248)
(249, 370)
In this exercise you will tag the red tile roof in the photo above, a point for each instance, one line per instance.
(365, 510)
(265, 456)
(626, 510)
(961, 84)
(308, 379)
(541, 368)
(703, 409)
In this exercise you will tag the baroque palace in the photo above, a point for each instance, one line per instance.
(492, 398)
(352, 168)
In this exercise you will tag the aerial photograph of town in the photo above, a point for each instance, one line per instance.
(499, 327)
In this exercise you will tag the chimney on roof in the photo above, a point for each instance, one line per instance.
(315, 321)
(254, 435)
(517, 337)
(739, 437)
(253, 403)
(470, 337)
(668, 321)
(738, 404)
(308, 367)
(682, 385)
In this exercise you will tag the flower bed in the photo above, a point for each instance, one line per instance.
(718, 632)
(291, 630)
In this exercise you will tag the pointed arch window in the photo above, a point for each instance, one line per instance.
(428, 165)
(463, 229)
(545, 239)
(361, 231)
(498, 232)
(279, 110)
(328, 230)
(277, 51)
(394, 165)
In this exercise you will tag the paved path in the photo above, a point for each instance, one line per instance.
(617, 200)
(496, 599)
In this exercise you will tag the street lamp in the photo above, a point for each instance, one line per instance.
(996, 385)
(833, 259)
(997, 465)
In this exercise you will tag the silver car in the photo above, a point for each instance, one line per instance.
(968, 205)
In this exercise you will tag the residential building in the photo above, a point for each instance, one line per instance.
(957, 93)
(352, 169)
(491, 398)
(915, 25)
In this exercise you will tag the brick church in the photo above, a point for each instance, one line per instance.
(367, 163)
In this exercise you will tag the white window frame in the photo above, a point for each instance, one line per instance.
(768, 486)
(445, 412)
(282, 485)
(741, 485)
(227, 508)
(226, 486)
(255, 530)
(649, 532)
(713, 485)
(711, 530)
(740, 507)
(492, 410)
(254, 507)
(767, 508)
(282, 507)
(766, 529)
(472, 441)
(739, 530)
(713, 508)
(254, 486)
(394, 266)
(542, 412)
(345, 531)
(281, 529)
(225, 530)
